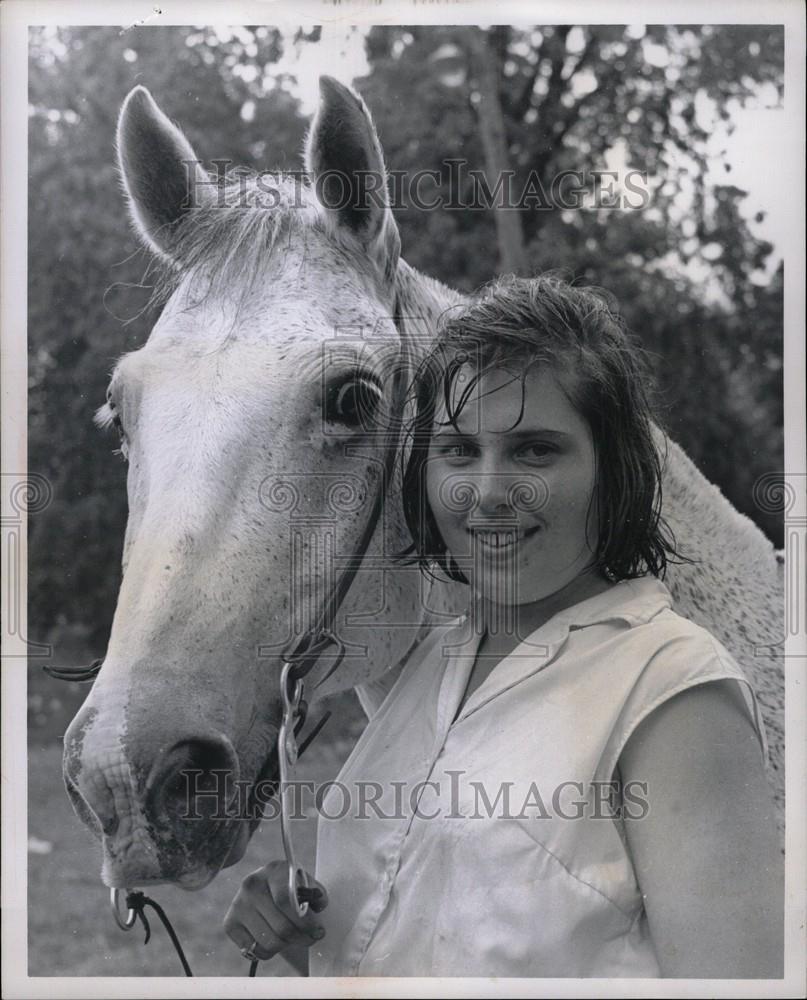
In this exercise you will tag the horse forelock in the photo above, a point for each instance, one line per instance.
(223, 246)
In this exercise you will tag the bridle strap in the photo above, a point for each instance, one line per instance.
(300, 657)
(304, 651)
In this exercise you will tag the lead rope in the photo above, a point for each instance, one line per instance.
(136, 903)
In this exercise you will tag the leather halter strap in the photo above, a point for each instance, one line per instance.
(304, 651)
(302, 654)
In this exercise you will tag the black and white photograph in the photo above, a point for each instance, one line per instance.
(404, 499)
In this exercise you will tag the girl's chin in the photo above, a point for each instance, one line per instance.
(498, 585)
(500, 590)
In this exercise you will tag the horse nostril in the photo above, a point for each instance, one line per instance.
(194, 780)
(90, 795)
(100, 817)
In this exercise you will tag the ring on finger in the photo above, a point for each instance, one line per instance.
(249, 953)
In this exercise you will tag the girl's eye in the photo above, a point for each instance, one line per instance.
(538, 450)
(352, 402)
(456, 450)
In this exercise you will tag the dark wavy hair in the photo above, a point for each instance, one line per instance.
(518, 324)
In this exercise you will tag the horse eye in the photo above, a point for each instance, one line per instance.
(353, 402)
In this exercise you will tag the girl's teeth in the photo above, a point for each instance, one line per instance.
(501, 539)
(496, 539)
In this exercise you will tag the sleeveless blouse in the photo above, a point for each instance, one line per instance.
(488, 842)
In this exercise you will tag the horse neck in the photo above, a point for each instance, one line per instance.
(421, 302)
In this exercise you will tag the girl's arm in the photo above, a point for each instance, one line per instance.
(706, 854)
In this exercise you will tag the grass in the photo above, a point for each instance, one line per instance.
(70, 927)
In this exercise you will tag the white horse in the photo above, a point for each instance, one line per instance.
(250, 476)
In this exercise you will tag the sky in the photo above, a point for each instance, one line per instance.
(762, 163)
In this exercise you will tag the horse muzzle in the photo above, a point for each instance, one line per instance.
(168, 813)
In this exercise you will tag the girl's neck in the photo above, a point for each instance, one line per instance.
(521, 620)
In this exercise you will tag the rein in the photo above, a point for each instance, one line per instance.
(299, 657)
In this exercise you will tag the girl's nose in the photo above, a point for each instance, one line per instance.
(494, 490)
(508, 494)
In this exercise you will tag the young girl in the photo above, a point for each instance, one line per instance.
(569, 780)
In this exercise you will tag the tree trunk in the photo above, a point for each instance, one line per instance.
(492, 129)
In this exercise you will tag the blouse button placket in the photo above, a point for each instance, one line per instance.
(427, 764)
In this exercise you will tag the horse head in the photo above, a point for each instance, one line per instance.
(248, 422)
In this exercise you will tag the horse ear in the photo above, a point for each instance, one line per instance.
(344, 160)
(161, 173)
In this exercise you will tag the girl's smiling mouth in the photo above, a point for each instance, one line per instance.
(498, 538)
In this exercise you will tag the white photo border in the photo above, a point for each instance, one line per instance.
(15, 18)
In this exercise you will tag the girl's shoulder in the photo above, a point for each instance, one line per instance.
(680, 638)
(648, 608)
(673, 654)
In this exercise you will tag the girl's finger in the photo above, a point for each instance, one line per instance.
(276, 876)
(246, 925)
(257, 942)
(275, 912)
(316, 896)
(273, 932)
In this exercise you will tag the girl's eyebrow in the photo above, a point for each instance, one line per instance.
(531, 432)
(519, 435)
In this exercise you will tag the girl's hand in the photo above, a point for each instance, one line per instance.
(262, 919)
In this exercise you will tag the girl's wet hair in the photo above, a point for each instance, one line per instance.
(520, 324)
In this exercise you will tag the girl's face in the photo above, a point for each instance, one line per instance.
(512, 493)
